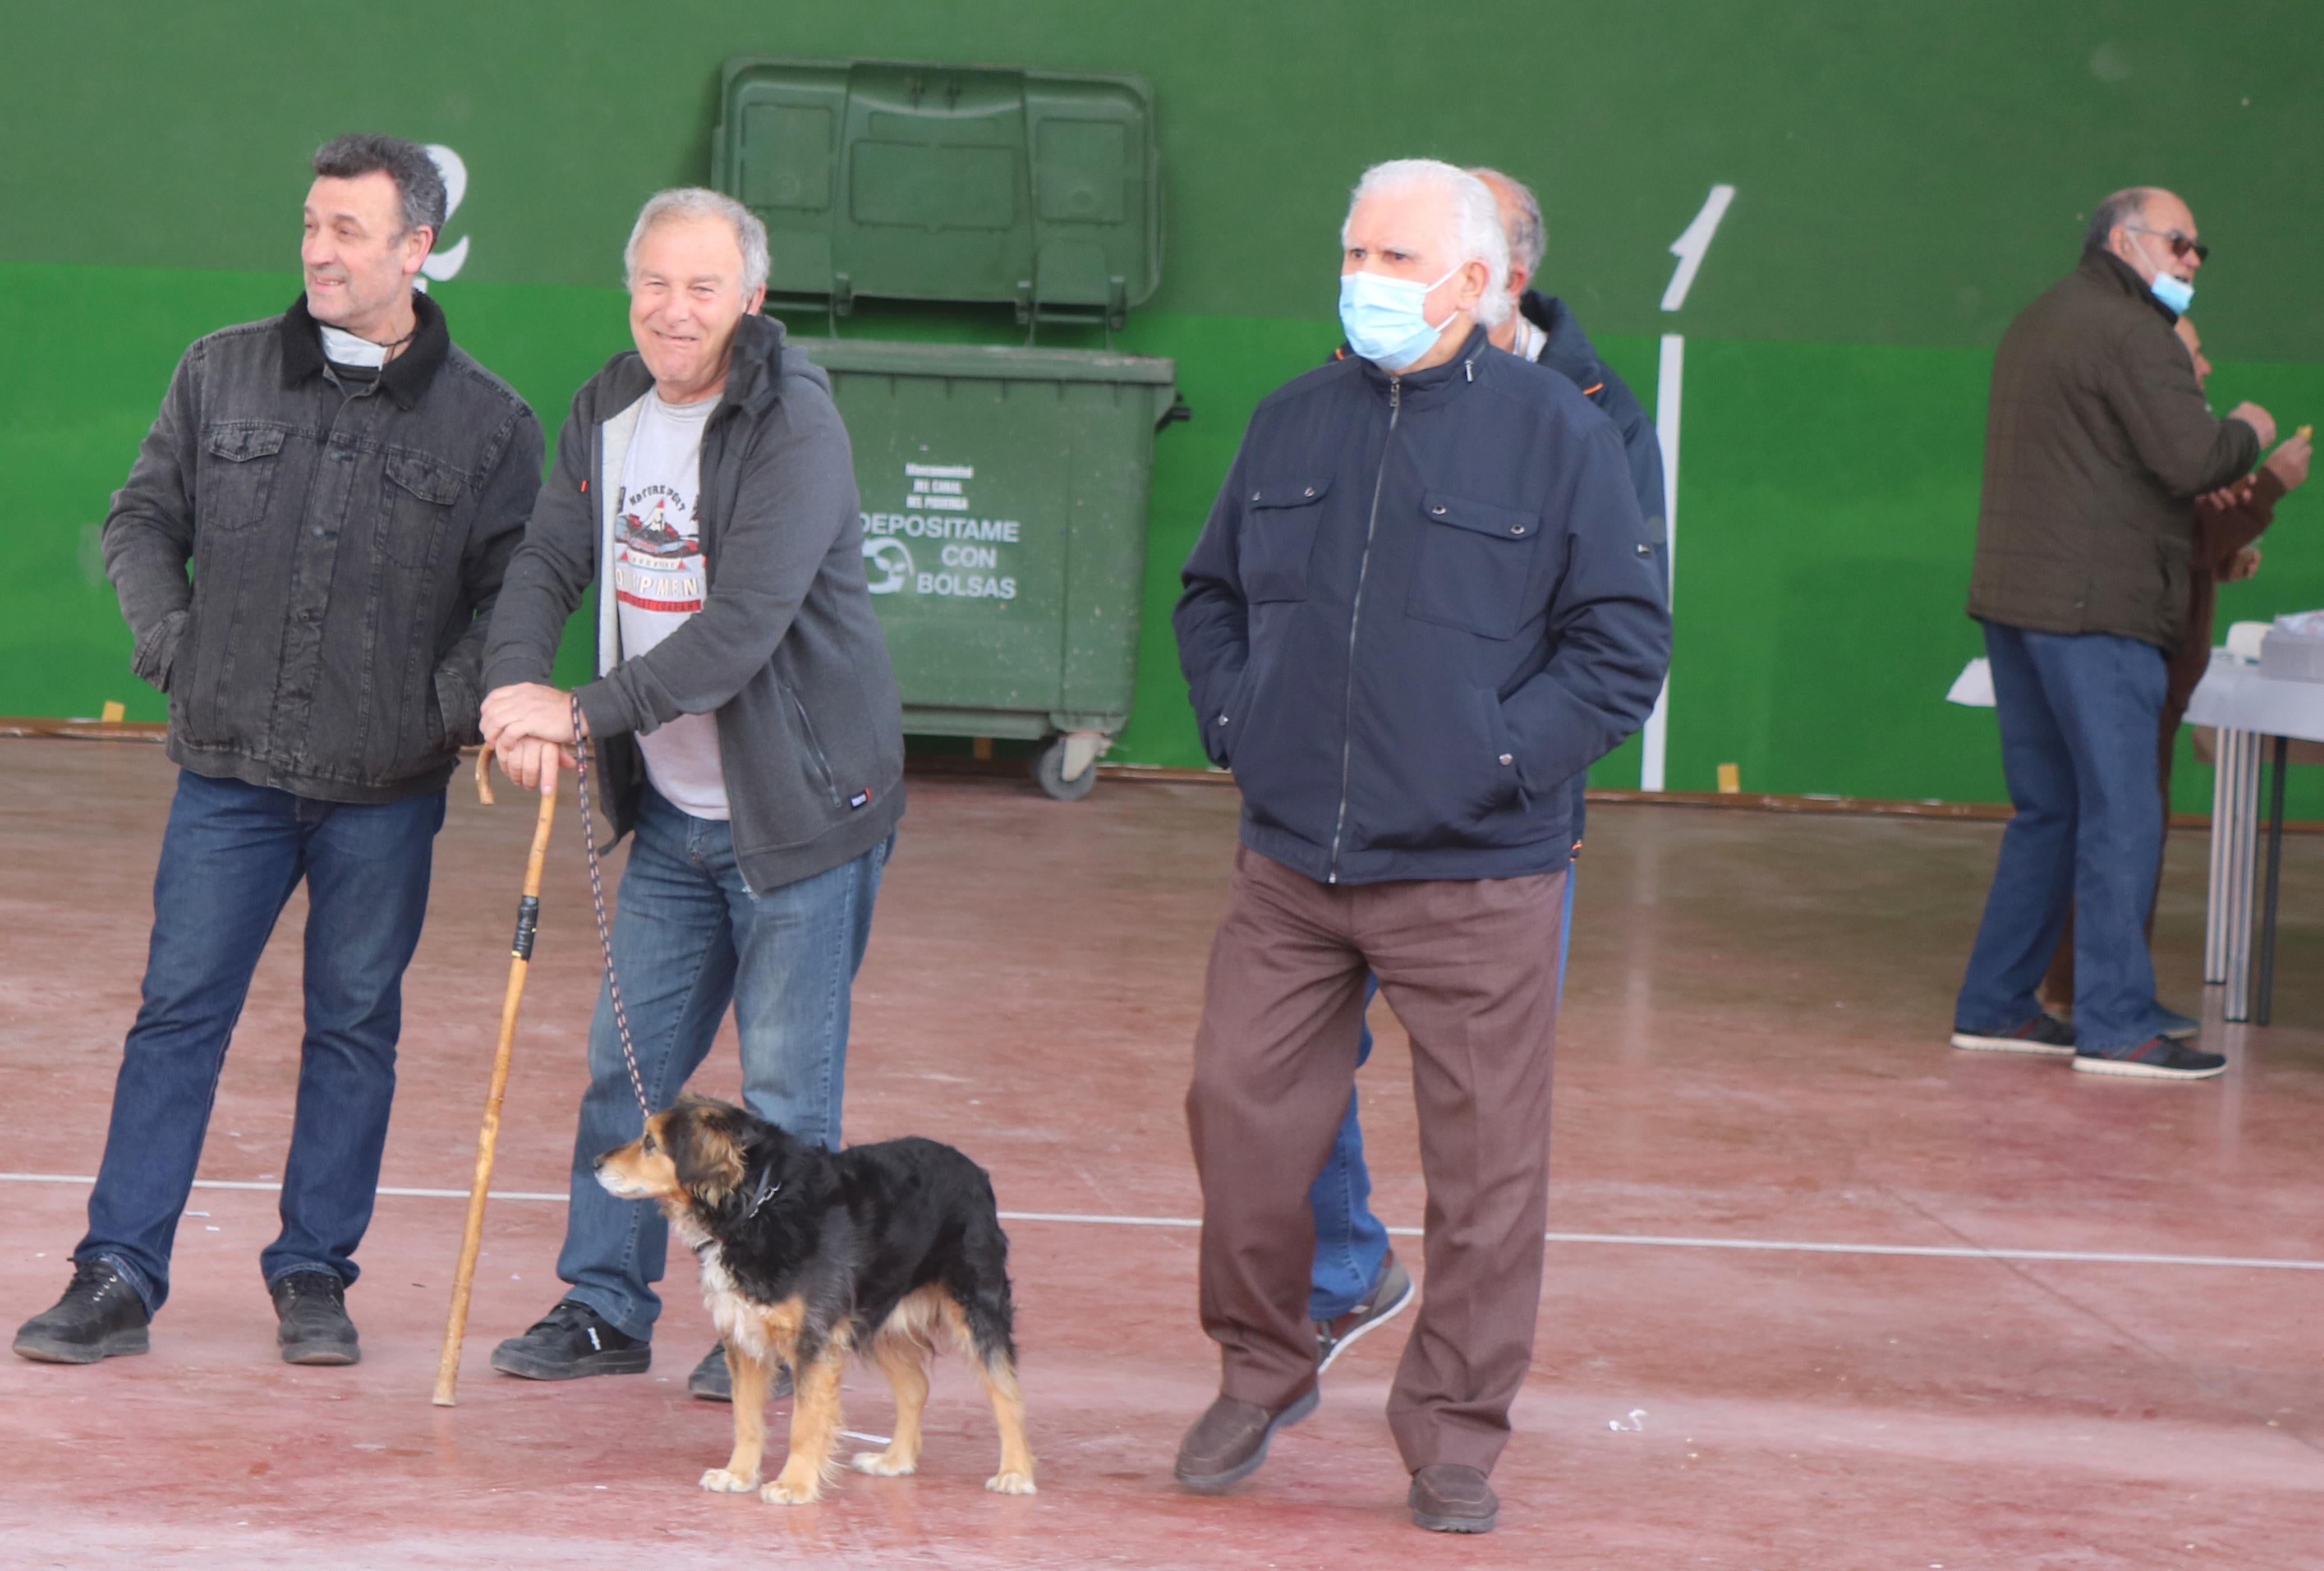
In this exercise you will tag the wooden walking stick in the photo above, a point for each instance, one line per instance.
(528, 915)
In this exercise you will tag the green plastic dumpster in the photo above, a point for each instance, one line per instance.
(1004, 533)
(907, 181)
(1004, 488)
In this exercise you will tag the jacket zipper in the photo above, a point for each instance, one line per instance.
(814, 745)
(1355, 616)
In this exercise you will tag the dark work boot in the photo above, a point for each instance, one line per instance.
(312, 1306)
(712, 1381)
(100, 1316)
(569, 1342)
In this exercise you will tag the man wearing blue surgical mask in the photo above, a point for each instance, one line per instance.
(2098, 443)
(1425, 601)
(1360, 1285)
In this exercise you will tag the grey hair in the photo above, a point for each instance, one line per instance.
(2126, 206)
(1476, 233)
(698, 202)
(1527, 238)
(419, 183)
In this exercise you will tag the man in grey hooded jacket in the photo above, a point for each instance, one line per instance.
(745, 717)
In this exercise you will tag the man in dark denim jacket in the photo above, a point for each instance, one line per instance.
(345, 487)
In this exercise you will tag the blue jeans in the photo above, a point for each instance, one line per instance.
(1351, 1242)
(230, 857)
(2077, 713)
(691, 936)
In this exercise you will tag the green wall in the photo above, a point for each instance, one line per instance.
(1909, 175)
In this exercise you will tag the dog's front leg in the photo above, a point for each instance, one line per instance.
(814, 1428)
(750, 1378)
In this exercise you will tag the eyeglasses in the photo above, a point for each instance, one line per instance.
(2179, 243)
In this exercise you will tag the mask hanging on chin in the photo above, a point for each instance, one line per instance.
(1387, 318)
(2174, 292)
(347, 349)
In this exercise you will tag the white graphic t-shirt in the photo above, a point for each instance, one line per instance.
(659, 582)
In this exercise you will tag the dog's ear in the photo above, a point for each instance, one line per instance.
(703, 1149)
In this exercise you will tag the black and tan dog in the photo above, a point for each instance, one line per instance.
(884, 1251)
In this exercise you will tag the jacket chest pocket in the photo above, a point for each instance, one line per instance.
(236, 475)
(1278, 535)
(1474, 569)
(420, 493)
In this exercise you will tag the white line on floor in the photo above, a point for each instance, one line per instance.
(1655, 1241)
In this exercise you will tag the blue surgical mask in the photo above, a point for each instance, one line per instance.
(1387, 318)
(2175, 292)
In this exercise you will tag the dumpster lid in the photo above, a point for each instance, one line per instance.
(997, 362)
(991, 184)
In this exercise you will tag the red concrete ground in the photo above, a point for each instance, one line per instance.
(1753, 1052)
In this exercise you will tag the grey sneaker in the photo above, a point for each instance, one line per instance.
(2179, 1028)
(1391, 1291)
(712, 1381)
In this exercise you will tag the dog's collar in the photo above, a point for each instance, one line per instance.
(764, 1191)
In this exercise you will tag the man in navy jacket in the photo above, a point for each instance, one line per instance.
(1425, 602)
(1358, 1283)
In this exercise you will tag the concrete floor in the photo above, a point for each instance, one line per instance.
(1775, 1330)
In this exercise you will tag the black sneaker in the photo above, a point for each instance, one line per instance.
(100, 1316)
(2045, 1035)
(712, 1381)
(2155, 1058)
(2179, 1028)
(312, 1309)
(1391, 1291)
(571, 1341)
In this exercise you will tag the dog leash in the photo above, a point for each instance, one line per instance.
(597, 898)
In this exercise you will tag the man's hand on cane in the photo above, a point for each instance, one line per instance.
(529, 725)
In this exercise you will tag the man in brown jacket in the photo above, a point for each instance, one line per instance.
(2097, 442)
(2226, 522)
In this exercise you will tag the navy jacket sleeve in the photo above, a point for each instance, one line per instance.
(1213, 619)
(1640, 446)
(1609, 626)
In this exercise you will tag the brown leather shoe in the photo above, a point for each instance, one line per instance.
(1227, 1443)
(1448, 1498)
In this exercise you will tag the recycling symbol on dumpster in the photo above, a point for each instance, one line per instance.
(888, 564)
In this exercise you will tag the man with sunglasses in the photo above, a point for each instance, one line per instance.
(2098, 443)
(2226, 522)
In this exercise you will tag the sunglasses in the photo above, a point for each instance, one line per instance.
(2179, 243)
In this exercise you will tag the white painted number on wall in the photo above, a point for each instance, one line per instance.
(1690, 246)
(444, 261)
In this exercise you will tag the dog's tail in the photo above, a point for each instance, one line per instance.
(981, 1288)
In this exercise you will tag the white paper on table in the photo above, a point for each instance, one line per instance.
(2305, 623)
(2243, 639)
(1974, 685)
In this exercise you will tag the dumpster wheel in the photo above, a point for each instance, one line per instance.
(1049, 765)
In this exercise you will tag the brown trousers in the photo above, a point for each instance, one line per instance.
(1470, 969)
